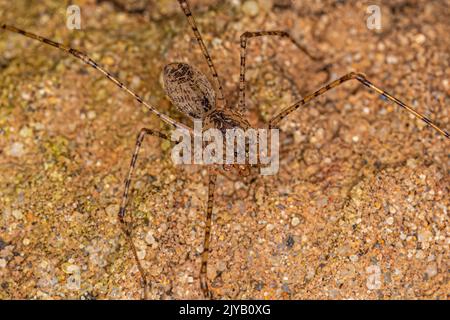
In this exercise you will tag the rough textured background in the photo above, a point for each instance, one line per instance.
(359, 208)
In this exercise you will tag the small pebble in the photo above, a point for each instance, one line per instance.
(26, 132)
(135, 81)
(420, 38)
(420, 254)
(391, 59)
(390, 220)
(108, 61)
(17, 214)
(424, 236)
(431, 270)
(295, 221)
(149, 238)
(199, 249)
(70, 268)
(112, 209)
(412, 163)
(91, 115)
(221, 266)
(74, 282)
(250, 8)
(141, 254)
(25, 96)
(2, 263)
(16, 150)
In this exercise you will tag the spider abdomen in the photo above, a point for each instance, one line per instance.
(188, 89)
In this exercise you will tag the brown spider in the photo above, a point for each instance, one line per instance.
(193, 95)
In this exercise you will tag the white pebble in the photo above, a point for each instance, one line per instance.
(149, 238)
(295, 221)
(91, 115)
(391, 59)
(390, 220)
(17, 214)
(251, 8)
(141, 254)
(26, 96)
(420, 38)
(431, 270)
(2, 263)
(71, 268)
(74, 282)
(16, 150)
(26, 132)
(221, 266)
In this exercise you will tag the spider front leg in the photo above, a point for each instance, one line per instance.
(121, 215)
(212, 176)
(361, 78)
(244, 39)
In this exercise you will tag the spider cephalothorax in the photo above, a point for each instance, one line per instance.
(224, 119)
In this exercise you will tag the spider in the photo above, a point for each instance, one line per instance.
(192, 94)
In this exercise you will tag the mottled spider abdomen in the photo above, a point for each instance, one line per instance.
(188, 89)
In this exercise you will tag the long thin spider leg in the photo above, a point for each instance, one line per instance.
(203, 271)
(244, 39)
(121, 215)
(187, 11)
(361, 78)
(83, 57)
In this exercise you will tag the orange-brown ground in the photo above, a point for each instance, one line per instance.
(358, 210)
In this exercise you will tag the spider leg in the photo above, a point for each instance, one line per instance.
(85, 58)
(244, 39)
(361, 78)
(187, 11)
(121, 215)
(206, 243)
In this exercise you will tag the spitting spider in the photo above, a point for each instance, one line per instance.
(193, 95)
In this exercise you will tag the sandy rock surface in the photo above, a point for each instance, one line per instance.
(359, 208)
